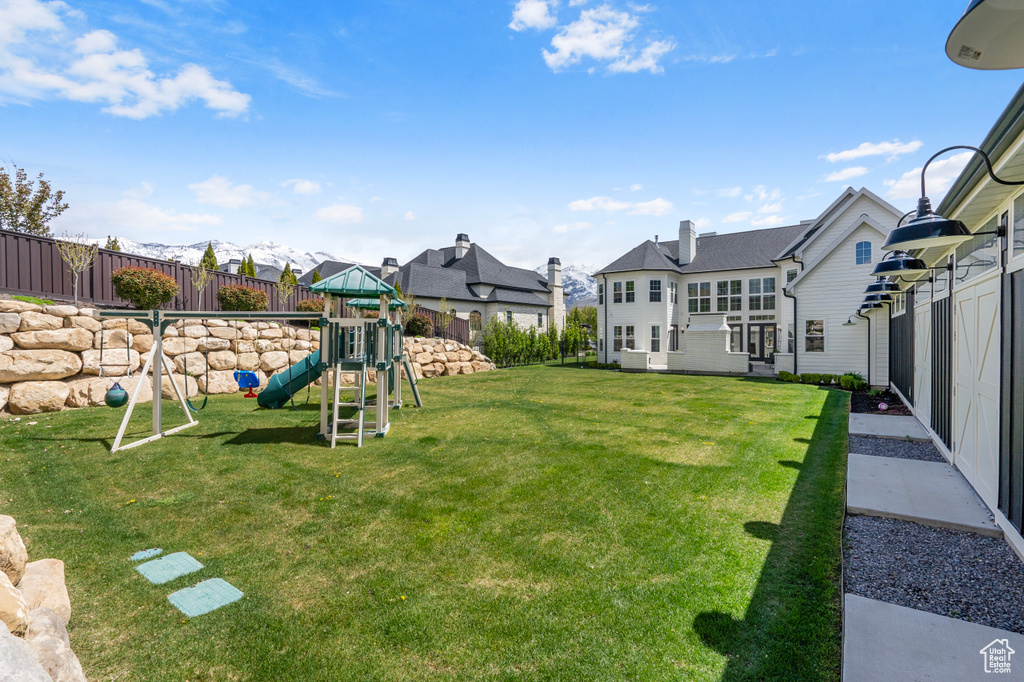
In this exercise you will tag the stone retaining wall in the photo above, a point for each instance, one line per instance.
(50, 355)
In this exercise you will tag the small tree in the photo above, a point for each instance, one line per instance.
(445, 315)
(209, 260)
(285, 289)
(78, 253)
(251, 266)
(112, 244)
(288, 276)
(316, 277)
(201, 278)
(145, 288)
(25, 207)
(239, 297)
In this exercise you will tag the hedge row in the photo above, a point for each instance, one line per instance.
(851, 381)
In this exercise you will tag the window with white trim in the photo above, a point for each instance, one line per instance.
(699, 294)
(729, 295)
(630, 337)
(600, 294)
(616, 292)
(654, 294)
(540, 320)
(655, 339)
(761, 293)
(899, 305)
(863, 252)
(617, 338)
(790, 275)
(630, 293)
(673, 292)
(814, 336)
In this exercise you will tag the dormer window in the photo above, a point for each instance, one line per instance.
(863, 253)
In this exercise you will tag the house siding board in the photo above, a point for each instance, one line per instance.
(901, 349)
(861, 206)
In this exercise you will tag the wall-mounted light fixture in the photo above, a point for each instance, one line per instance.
(883, 286)
(878, 298)
(900, 263)
(987, 37)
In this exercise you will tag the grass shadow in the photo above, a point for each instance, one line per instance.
(300, 435)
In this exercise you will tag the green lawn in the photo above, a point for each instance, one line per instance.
(533, 523)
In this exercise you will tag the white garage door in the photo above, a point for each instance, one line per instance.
(976, 389)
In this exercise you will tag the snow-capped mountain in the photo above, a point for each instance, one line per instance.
(268, 253)
(577, 283)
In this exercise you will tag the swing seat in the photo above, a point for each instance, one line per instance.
(247, 380)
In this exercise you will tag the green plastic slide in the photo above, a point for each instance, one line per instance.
(284, 385)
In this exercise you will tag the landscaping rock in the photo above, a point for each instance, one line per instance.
(115, 324)
(301, 345)
(87, 391)
(222, 359)
(190, 363)
(31, 322)
(43, 586)
(284, 344)
(6, 343)
(9, 322)
(48, 639)
(215, 323)
(171, 331)
(195, 331)
(13, 555)
(273, 360)
(116, 361)
(12, 306)
(17, 660)
(302, 334)
(229, 333)
(219, 382)
(297, 356)
(13, 611)
(136, 327)
(209, 343)
(5, 392)
(178, 345)
(82, 322)
(60, 339)
(271, 334)
(112, 339)
(263, 345)
(60, 310)
(33, 397)
(248, 333)
(187, 385)
(243, 346)
(248, 361)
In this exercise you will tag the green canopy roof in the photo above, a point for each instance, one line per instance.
(356, 281)
(375, 303)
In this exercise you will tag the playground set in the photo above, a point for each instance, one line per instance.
(356, 345)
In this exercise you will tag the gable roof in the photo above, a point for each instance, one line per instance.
(853, 226)
(333, 267)
(356, 281)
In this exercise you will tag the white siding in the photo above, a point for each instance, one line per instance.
(852, 213)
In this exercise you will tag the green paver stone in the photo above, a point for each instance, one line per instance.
(204, 597)
(167, 568)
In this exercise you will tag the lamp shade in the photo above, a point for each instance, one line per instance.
(883, 287)
(871, 298)
(987, 37)
(926, 230)
(870, 305)
(899, 263)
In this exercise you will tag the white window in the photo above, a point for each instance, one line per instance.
(978, 255)
(735, 337)
(863, 253)
(654, 295)
(790, 276)
(630, 338)
(699, 297)
(600, 294)
(761, 293)
(814, 336)
(655, 339)
(540, 320)
(508, 316)
(729, 295)
(617, 339)
(899, 305)
(630, 293)
(673, 292)
(616, 292)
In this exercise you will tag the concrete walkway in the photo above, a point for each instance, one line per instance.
(883, 426)
(887, 642)
(929, 493)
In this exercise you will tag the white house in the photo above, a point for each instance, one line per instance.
(785, 293)
(958, 336)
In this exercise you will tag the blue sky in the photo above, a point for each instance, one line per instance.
(575, 128)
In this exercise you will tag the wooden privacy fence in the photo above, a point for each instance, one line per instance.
(457, 330)
(32, 266)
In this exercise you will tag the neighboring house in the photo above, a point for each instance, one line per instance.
(479, 286)
(960, 335)
(785, 292)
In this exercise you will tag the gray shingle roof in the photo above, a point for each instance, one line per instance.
(735, 251)
(332, 267)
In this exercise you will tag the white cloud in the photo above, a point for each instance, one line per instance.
(730, 192)
(342, 214)
(762, 193)
(766, 221)
(533, 14)
(409, 215)
(607, 36)
(770, 208)
(846, 174)
(300, 186)
(143, 191)
(941, 175)
(701, 223)
(737, 217)
(573, 227)
(218, 191)
(655, 207)
(136, 214)
(40, 58)
(636, 188)
(892, 150)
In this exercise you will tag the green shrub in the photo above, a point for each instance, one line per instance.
(418, 325)
(852, 381)
(810, 378)
(144, 288)
(310, 305)
(785, 376)
(32, 299)
(240, 297)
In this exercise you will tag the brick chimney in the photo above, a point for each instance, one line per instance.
(556, 299)
(461, 245)
(388, 268)
(687, 242)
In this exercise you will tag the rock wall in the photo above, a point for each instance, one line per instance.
(50, 356)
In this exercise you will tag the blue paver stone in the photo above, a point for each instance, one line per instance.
(167, 568)
(205, 597)
(146, 554)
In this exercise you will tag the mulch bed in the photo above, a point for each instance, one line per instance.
(862, 403)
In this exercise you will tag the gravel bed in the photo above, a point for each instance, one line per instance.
(949, 572)
(892, 447)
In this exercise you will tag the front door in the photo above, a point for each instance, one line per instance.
(760, 341)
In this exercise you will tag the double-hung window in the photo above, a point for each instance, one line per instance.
(654, 295)
(600, 294)
(863, 253)
(761, 293)
(814, 336)
(790, 276)
(729, 295)
(540, 320)
(630, 292)
(699, 294)
(616, 292)
(655, 339)
(630, 338)
(617, 339)
(673, 292)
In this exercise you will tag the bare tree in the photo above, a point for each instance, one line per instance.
(79, 254)
(285, 289)
(445, 315)
(201, 277)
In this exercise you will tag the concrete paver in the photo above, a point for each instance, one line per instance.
(888, 642)
(883, 426)
(929, 493)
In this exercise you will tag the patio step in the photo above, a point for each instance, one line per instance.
(887, 426)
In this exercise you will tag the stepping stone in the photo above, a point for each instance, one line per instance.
(884, 641)
(883, 426)
(204, 597)
(167, 568)
(146, 554)
(928, 493)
